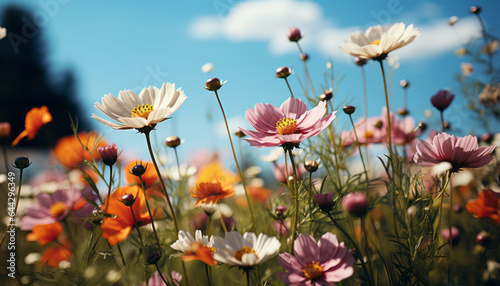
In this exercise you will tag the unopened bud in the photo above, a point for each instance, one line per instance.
(404, 83)
(311, 166)
(475, 9)
(22, 163)
(304, 57)
(154, 257)
(213, 84)
(280, 211)
(422, 126)
(139, 170)
(349, 109)
(293, 34)
(326, 96)
(239, 133)
(360, 62)
(283, 72)
(378, 124)
(172, 141)
(403, 111)
(128, 200)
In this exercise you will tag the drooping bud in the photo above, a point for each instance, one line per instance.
(213, 84)
(109, 154)
(293, 34)
(325, 201)
(172, 141)
(283, 72)
(349, 109)
(22, 163)
(304, 57)
(356, 204)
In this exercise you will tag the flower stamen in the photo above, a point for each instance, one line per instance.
(239, 253)
(376, 42)
(57, 209)
(286, 126)
(142, 110)
(312, 270)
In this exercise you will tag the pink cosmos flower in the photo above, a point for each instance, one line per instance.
(442, 99)
(368, 132)
(291, 123)
(51, 208)
(460, 152)
(279, 172)
(322, 263)
(401, 129)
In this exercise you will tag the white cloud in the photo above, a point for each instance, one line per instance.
(268, 20)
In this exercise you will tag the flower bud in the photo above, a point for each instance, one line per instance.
(442, 99)
(404, 83)
(283, 72)
(293, 34)
(360, 62)
(457, 208)
(349, 109)
(475, 9)
(446, 125)
(311, 166)
(422, 126)
(483, 238)
(239, 133)
(172, 141)
(4, 130)
(280, 211)
(453, 20)
(139, 170)
(325, 201)
(304, 57)
(154, 257)
(487, 138)
(22, 163)
(128, 200)
(327, 95)
(461, 51)
(403, 111)
(356, 204)
(213, 84)
(109, 154)
(455, 235)
(378, 124)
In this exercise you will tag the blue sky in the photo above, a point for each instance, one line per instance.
(115, 45)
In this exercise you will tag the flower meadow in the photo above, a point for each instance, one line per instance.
(384, 200)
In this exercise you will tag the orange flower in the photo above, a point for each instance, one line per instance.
(199, 251)
(4, 130)
(150, 177)
(70, 152)
(211, 192)
(45, 233)
(259, 194)
(55, 254)
(486, 205)
(35, 119)
(216, 171)
(116, 229)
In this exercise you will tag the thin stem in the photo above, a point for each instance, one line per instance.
(367, 249)
(358, 252)
(389, 129)
(359, 148)
(209, 224)
(450, 214)
(180, 176)
(363, 76)
(296, 201)
(237, 165)
(150, 215)
(222, 221)
(164, 189)
(121, 254)
(161, 275)
(291, 92)
(441, 204)
(13, 218)
(109, 188)
(247, 271)
(137, 226)
(442, 122)
(208, 274)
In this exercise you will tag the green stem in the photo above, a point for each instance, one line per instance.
(289, 88)
(358, 252)
(367, 249)
(295, 193)
(207, 274)
(237, 165)
(161, 275)
(150, 215)
(389, 129)
(137, 226)
(162, 183)
(109, 188)
(359, 149)
(180, 178)
(442, 122)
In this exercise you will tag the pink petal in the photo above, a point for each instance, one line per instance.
(306, 249)
(293, 108)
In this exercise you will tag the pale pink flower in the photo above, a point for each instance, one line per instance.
(401, 129)
(368, 132)
(322, 263)
(291, 123)
(279, 172)
(460, 152)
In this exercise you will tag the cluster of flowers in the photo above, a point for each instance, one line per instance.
(149, 212)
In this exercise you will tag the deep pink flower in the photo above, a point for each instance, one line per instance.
(293, 34)
(279, 172)
(109, 154)
(322, 263)
(401, 129)
(291, 123)
(325, 201)
(460, 152)
(355, 204)
(442, 99)
(455, 234)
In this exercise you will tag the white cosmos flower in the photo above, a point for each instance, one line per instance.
(376, 41)
(151, 106)
(273, 156)
(247, 250)
(185, 239)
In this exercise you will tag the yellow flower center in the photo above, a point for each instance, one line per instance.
(286, 126)
(369, 134)
(57, 209)
(312, 270)
(142, 110)
(239, 253)
(376, 42)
